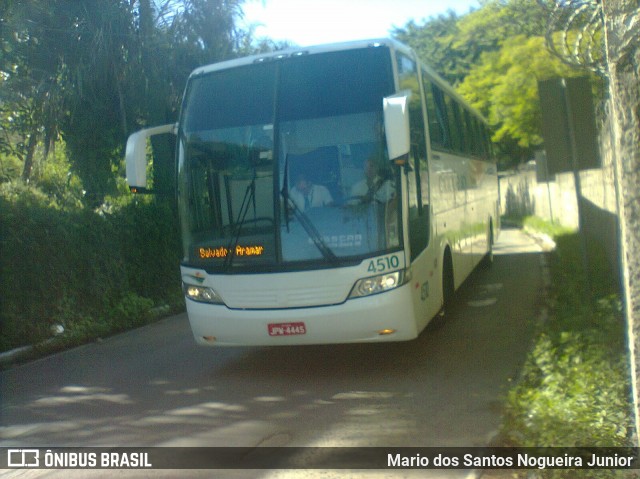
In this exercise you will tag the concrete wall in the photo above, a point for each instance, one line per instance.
(556, 200)
(521, 194)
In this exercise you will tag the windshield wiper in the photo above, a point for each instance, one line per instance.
(313, 233)
(249, 198)
(285, 190)
(308, 226)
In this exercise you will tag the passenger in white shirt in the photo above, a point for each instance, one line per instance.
(307, 195)
(372, 186)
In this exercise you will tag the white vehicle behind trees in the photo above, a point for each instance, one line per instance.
(375, 264)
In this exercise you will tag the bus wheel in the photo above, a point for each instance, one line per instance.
(487, 261)
(448, 290)
(448, 287)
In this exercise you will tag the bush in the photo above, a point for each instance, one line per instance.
(575, 386)
(149, 242)
(132, 310)
(92, 273)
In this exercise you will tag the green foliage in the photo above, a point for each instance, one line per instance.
(95, 72)
(132, 310)
(494, 56)
(10, 167)
(534, 223)
(434, 42)
(148, 236)
(484, 30)
(88, 271)
(574, 390)
(575, 386)
(54, 178)
(503, 86)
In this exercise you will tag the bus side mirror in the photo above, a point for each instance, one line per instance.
(136, 156)
(396, 124)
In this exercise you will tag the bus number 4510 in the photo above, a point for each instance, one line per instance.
(383, 264)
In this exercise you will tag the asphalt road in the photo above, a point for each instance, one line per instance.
(154, 387)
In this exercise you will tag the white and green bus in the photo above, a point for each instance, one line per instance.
(332, 194)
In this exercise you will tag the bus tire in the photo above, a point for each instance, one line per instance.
(487, 261)
(448, 290)
(448, 285)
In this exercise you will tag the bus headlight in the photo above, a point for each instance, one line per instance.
(379, 284)
(202, 294)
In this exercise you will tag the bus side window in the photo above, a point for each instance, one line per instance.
(469, 134)
(409, 79)
(436, 115)
(456, 125)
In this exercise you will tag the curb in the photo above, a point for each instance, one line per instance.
(543, 240)
(9, 356)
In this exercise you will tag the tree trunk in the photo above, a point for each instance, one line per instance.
(157, 93)
(28, 159)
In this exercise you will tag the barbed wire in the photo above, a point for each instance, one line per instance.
(575, 33)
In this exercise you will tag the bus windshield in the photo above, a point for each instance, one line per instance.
(282, 164)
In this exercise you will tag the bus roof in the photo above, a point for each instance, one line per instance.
(295, 51)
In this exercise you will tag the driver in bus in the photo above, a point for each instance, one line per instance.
(307, 195)
(373, 186)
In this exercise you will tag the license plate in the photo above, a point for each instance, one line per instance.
(286, 329)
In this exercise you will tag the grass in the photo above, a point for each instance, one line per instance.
(575, 388)
(132, 312)
(89, 272)
(538, 225)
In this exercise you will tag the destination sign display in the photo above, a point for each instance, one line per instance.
(223, 252)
